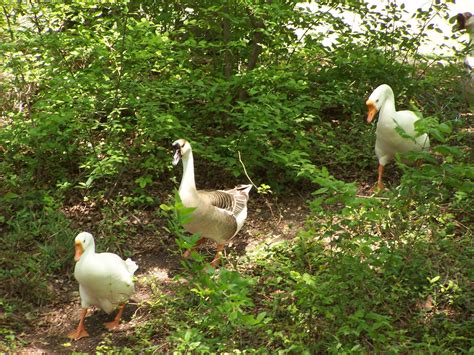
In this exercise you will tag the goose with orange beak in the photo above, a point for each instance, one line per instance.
(388, 141)
(105, 280)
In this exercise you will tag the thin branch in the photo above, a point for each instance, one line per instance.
(122, 50)
(462, 225)
(311, 26)
(7, 16)
(376, 197)
(36, 19)
(226, 29)
(417, 39)
(265, 199)
(245, 171)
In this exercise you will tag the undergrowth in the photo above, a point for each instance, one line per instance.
(390, 272)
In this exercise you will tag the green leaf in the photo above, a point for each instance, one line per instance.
(434, 279)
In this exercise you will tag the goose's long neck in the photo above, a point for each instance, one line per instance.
(471, 40)
(89, 251)
(470, 30)
(187, 181)
(387, 111)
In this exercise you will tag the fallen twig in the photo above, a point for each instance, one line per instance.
(245, 170)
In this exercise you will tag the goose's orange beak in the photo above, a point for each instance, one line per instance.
(372, 110)
(79, 250)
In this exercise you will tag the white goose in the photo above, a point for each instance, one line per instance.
(388, 141)
(105, 280)
(219, 214)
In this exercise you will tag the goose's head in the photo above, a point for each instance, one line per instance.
(181, 148)
(465, 21)
(376, 100)
(82, 242)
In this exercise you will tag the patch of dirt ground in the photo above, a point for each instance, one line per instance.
(269, 220)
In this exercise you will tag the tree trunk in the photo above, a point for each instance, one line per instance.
(257, 38)
(227, 51)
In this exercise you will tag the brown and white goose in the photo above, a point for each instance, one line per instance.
(466, 22)
(220, 214)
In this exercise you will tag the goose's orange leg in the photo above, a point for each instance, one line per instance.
(116, 321)
(214, 262)
(81, 331)
(379, 181)
(187, 253)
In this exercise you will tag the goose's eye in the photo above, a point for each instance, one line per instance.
(377, 100)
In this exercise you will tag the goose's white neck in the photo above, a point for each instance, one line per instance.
(387, 111)
(470, 30)
(187, 181)
(90, 250)
(471, 40)
(469, 26)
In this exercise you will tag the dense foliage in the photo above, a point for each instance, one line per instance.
(92, 95)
